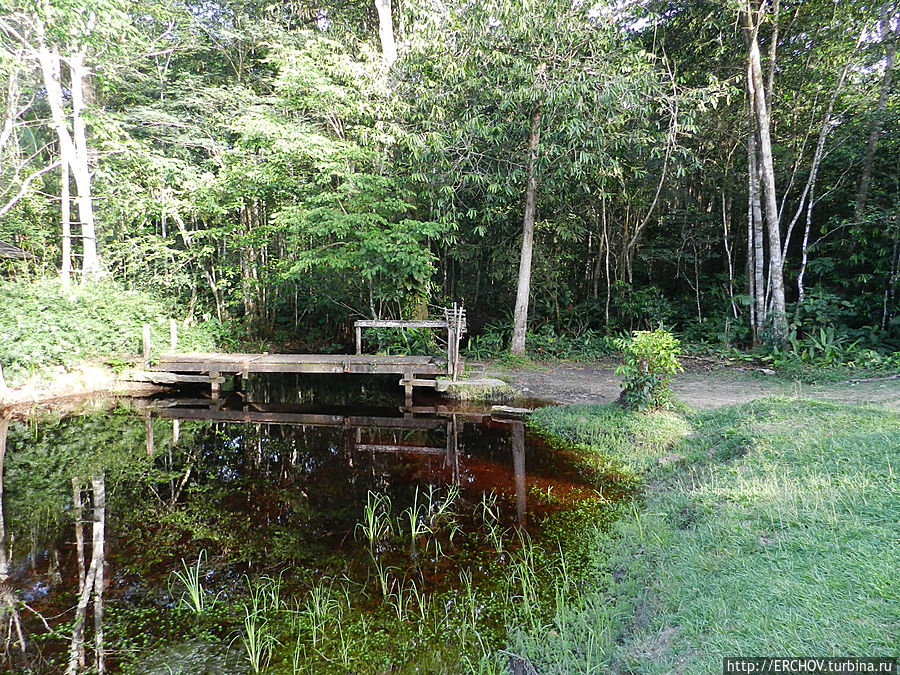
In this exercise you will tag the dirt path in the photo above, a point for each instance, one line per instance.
(703, 385)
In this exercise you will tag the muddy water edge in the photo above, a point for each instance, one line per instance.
(303, 525)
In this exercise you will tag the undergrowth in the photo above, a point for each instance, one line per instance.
(42, 325)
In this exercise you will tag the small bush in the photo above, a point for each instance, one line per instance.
(650, 363)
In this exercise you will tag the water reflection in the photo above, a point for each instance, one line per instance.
(101, 510)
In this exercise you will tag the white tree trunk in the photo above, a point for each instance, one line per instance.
(386, 31)
(90, 266)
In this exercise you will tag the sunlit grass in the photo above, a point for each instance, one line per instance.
(777, 535)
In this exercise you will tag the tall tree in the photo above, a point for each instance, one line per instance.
(514, 102)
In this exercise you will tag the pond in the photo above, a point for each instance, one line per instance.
(303, 525)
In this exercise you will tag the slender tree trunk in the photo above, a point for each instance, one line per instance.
(520, 318)
(809, 190)
(72, 152)
(66, 213)
(93, 584)
(778, 317)
(889, 37)
(606, 265)
(756, 249)
(90, 263)
(98, 483)
(727, 242)
(386, 31)
(8, 604)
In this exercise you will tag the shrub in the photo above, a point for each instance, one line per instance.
(43, 325)
(650, 362)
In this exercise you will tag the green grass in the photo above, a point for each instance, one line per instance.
(633, 440)
(42, 325)
(776, 535)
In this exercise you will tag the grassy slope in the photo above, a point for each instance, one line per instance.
(42, 326)
(777, 535)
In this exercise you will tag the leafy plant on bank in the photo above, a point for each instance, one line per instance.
(651, 360)
(44, 325)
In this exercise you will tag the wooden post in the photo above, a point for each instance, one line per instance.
(146, 346)
(449, 318)
(3, 388)
(214, 384)
(359, 339)
(408, 387)
(173, 335)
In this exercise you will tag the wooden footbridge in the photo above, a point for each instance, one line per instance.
(415, 371)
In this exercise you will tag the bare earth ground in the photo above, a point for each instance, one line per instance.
(704, 384)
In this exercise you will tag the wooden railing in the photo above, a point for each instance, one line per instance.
(454, 323)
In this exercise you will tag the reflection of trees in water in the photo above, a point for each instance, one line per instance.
(10, 613)
(91, 584)
(51, 461)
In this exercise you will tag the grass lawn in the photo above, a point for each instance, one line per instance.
(771, 528)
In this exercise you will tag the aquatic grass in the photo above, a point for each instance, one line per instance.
(194, 597)
(468, 604)
(383, 577)
(377, 525)
(319, 608)
(257, 640)
(488, 512)
(415, 516)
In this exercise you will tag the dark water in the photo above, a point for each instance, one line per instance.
(263, 496)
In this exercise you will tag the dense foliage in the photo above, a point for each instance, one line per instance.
(281, 169)
(44, 325)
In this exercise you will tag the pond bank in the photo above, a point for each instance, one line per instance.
(59, 388)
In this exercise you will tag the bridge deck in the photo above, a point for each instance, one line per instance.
(226, 364)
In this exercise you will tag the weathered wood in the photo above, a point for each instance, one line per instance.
(396, 323)
(190, 365)
(509, 411)
(146, 345)
(417, 382)
(3, 387)
(163, 377)
(266, 416)
(298, 363)
(403, 449)
(173, 334)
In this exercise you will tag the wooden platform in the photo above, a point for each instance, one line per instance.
(245, 364)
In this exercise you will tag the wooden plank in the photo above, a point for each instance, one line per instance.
(297, 419)
(296, 358)
(388, 323)
(416, 382)
(404, 449)
(268, 367)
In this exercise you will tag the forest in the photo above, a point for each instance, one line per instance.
(698, 197)
(725, 168)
